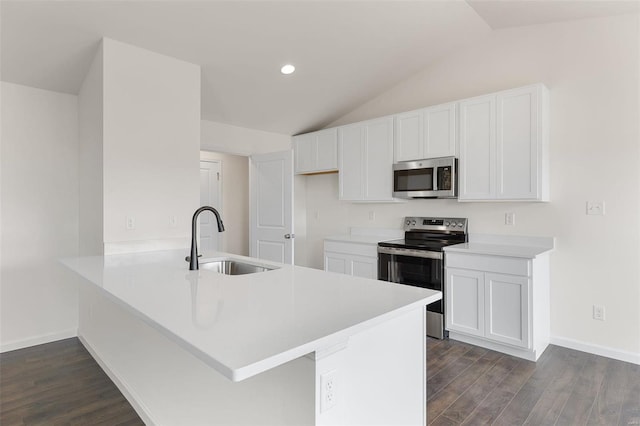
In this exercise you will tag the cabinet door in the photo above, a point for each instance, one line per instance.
(409, 136)
(464, 301)
(440, 131)
(364, 267)
(326, 149)
(351, 167)
(378, 159)
(507, 309)
(477, 148)
(518, 144)
(335, 262)
(304, 147)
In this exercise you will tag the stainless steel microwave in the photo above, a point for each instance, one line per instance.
(428, 178)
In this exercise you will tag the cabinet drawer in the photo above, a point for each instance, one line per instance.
(500, 264)
(370, 250)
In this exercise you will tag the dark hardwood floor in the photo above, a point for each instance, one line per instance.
(467, 385)
(60, 384)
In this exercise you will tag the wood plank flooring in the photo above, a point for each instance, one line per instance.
(467, 385)
(60, 384)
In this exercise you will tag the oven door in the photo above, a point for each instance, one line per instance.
(419, 268)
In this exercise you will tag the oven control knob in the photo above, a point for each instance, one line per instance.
(413, 223)
(408, 222)
(459, 224)
(446, 224)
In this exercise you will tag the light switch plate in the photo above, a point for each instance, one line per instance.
(595, 208)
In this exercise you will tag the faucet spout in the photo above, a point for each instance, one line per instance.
(193, 257)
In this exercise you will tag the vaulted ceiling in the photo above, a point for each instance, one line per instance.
(345, 52)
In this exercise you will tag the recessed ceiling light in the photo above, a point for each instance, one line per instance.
(287, 69)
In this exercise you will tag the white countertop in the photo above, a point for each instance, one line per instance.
(528, 252)
(245, 324)
(359, 239)
(503, 245)
(369, 236)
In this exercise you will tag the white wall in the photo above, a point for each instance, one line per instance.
(39, 216)
(235, 201)
(221, 137)
(151, 146)
(592, 70)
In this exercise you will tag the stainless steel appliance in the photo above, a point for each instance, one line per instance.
(418, 260)
(429, 178)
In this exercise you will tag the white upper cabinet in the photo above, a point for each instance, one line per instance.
(316, 152)
(426, 133)
(477, 162)
(503, 146)
(366, 160)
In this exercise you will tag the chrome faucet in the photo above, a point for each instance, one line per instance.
(193, 258)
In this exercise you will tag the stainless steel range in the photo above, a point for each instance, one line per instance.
(418, 260)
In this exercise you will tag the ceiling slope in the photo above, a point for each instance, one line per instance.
(345, 51)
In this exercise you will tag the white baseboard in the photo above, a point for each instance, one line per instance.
(38, 340)
(121, 384)
(626, 356)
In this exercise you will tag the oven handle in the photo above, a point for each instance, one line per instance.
(409, 252)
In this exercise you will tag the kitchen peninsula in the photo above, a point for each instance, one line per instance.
(291, 345)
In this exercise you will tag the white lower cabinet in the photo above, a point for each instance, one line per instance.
(360, 260)
(498, 302)
(465, 301)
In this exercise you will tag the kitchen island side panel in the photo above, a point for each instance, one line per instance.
(168, 385)
(380, 371)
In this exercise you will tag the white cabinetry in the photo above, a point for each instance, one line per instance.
(316, 152)
(360, 260)
(503, 146)
(426, 133)
(366, 160)
(498, 302)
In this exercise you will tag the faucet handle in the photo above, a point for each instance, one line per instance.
(188, 258)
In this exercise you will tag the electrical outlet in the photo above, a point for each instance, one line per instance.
(510, 219)
(328, 390)
(372, 215)
(131, 223)
(598, 312)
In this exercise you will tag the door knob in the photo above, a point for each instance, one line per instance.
(289, 236)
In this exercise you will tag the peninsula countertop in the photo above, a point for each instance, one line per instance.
(242, 325)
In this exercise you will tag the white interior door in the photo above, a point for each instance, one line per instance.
(210, 184)
(271, 211)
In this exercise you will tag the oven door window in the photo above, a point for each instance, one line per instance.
(413, 180)
(414, 271)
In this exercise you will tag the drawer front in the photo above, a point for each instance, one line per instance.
(499, 264)
(370, 250)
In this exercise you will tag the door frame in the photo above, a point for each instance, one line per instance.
(220, 207)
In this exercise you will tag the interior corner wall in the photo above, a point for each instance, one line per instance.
(219, 137)
(235, 201)
(39, 168)
(151, 143)
(591, 67)
(90, 128)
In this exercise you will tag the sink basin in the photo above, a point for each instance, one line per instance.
(234, 267)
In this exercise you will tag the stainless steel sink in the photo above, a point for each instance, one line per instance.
(234, 267)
